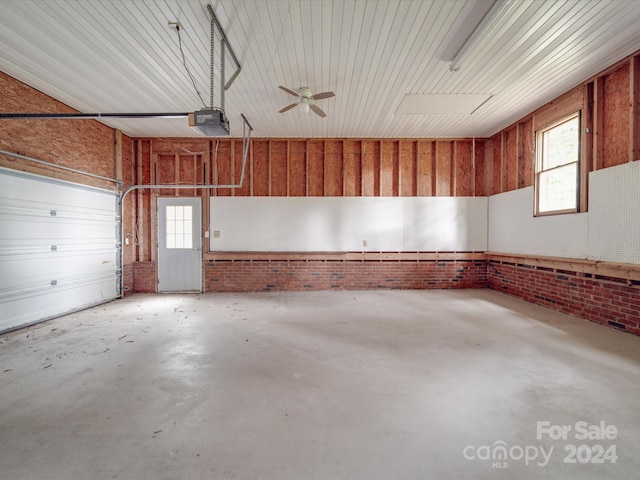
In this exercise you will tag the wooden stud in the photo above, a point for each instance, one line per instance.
(395, 149)
(634, 111)
(118, 153)
(287, 166)
(587, 140)
(232, 167)
(269, 169)
(455, 168)
(598, 114)
(503, 161)
(306, 169)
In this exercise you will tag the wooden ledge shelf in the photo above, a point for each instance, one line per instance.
(344, 256)
(626, 271)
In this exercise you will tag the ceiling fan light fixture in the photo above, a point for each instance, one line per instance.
(304, 99)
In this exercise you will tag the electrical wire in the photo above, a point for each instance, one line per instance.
(184, 62)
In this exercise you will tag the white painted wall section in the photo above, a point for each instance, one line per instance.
(341, 224)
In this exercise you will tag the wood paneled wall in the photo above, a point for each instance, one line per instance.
(610, 107)
(319, 167)
(85, 145)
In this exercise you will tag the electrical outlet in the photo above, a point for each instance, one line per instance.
(364, 243)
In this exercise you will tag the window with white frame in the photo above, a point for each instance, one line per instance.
(179, 226)
(557, 166)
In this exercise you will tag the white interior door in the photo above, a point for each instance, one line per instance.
(179, 244)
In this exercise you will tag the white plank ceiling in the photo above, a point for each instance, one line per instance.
(123, 56)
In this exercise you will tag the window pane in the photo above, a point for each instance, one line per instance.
(179, 226)
(561, 144)
(558, 189)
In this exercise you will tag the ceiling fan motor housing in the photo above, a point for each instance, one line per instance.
(304, 93)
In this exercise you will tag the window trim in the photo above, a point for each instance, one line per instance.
(538, 163)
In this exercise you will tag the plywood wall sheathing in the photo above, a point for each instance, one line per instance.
(316, 168)
(278, 168)
(444, 152)
(425, 179)
(333, 163)
(260, 168)
(464, 169)
(510, 159)
(352, 170)
(408, 155)
(370, 168)
(297, 168)
(526, 158)
(616, 118)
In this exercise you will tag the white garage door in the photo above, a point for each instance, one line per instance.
(58, 248)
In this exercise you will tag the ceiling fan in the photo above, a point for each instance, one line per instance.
(305, 98)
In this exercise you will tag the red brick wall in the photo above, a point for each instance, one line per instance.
(144, 277)
(127, 279)
(251, 276)
(608, 301)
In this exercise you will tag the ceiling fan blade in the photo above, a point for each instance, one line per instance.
(289, 91)
(320, 96)
(288, 107)
(317, 110)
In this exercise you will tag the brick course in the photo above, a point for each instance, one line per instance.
(252, 276)
(609, 301)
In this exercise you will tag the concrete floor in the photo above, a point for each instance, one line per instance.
(319, 385)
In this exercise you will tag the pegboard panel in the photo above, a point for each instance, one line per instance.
(514, 229)
(614, 214)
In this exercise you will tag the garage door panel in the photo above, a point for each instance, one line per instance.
(20, 271)
(58, 247)
(67, 298)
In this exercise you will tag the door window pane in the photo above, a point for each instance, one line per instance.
(179, 226)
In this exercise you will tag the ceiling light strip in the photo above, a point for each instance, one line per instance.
(497, 11)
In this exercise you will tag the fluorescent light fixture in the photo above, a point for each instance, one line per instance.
(442, 104)
(486, 23)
